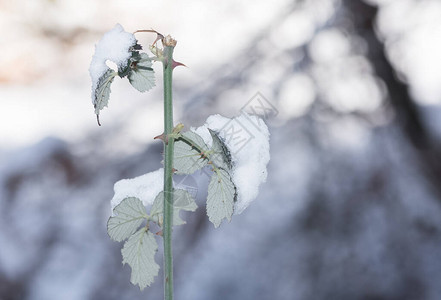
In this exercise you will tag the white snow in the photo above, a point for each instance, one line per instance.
(247, 138)
(113, 46)
(145, 187)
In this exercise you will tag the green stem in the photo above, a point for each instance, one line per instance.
(168, 173)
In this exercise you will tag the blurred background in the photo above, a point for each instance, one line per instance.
(351, 91)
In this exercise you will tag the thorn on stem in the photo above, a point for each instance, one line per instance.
(177, 64)
(174, 170)
(162, 137)
(159, 233)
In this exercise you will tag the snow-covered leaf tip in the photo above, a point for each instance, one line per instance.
(141, 74)
(129, 215)
(139, 252)
(221, 197)
(182, 200)
(189, 153)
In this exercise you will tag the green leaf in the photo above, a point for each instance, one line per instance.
(129, 215)
(141, 74)
(220, 156)
(182, 200)
(221, 197)
(139, 252)
(188, 157)
(102, 91)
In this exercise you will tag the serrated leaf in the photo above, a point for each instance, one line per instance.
(220, 156)
(139, 252)
(129, 215)
(182, 200)
(221, 197)
(187, 156)
(102, 91)
(141, 74)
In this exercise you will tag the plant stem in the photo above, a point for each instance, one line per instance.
(168, 173)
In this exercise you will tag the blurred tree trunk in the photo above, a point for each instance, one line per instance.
(407, 113)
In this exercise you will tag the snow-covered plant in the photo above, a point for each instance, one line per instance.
(236, 170)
